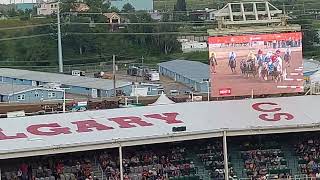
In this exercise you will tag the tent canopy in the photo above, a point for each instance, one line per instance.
(162, 100)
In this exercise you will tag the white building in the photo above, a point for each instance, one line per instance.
(47, 8)
(192, 46)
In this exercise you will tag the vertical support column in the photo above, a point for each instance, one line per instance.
(242, 12)
(268, 10)
(59, 40)
(225, 156)
(121, 161)
(230, 12)
(255, 11)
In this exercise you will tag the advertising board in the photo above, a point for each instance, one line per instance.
(256, 64)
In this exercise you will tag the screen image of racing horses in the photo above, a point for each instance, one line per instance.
(256, 64)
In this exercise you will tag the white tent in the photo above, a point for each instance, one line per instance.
(162, 100)
(315, 78)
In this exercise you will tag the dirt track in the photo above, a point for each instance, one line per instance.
(241, 85)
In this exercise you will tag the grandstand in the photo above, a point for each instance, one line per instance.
(253, 139)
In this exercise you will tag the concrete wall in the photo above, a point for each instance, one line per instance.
(33, 96)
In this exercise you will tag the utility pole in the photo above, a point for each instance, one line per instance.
(59, 40)
(143, 69)
(114, 75)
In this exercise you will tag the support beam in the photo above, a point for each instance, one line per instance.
(225, 156)
(230, 12)
(268, 10)
(121, 161)
(242, 12)
(255, 11)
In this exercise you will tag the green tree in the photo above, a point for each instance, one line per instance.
(180, 5)
(128, 8)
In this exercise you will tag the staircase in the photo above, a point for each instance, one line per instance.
(202, 172)
(236, 160)
(292, 160)
(97, 172)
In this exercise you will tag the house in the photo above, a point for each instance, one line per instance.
(192, 46)
(47, 8)
(112, 18)
(28, 94)
(80, 7)
(139, 5)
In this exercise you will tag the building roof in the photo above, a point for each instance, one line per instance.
(310, 65)
(10, 89)
(153, 124)
(110, 15)
(190, 69)
(69, 80)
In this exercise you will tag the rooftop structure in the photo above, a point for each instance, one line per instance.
(190, 73)
(38, 135)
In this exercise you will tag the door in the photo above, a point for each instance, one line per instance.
(94, 93)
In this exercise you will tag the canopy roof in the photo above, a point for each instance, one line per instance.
(80, 131)
(162, 100)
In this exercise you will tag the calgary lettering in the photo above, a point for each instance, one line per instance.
(89, 125)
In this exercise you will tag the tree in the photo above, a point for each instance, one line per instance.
(180, 5)
(97, 5)
(128, 8)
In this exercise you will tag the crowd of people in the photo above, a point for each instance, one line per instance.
(50, 168)
(265, 162)
(151, 164)
(309, 157)
(212, 157)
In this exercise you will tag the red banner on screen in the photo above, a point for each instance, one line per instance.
(225, 91)
(251, 38)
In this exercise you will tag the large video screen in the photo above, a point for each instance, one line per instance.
(256, 64)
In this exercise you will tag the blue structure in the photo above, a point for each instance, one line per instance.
(139, 5)
(28, 94)
(190, 73)
(25, 6)
(91, 87)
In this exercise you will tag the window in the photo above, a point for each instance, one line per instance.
(36, 94)
(51, 94)
(51, 5)
(21, 97)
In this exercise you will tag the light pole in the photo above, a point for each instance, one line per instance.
(208, 90)
(64, 101)
(59, 40)
(208, 87)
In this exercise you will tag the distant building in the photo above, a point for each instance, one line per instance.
(190, 73)
(192, 46)
(91, 87)
(47, 8)
(80, 7)
(25, 6)
(28, 94)
(139, 5)
(112, 18)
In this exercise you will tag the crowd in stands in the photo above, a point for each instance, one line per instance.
(153, 164)
(49, 168)
(264, 161)
(309, 157)
(212, 157)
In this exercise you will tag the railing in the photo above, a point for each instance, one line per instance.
(102, 173)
